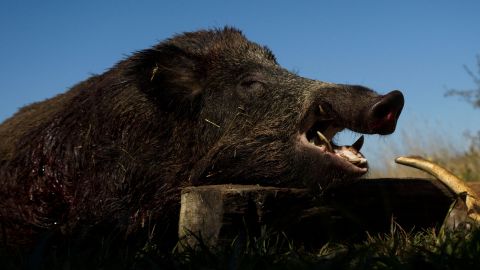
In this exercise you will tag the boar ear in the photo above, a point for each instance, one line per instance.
(169, 75)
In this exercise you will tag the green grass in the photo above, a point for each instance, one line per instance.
(394, 250)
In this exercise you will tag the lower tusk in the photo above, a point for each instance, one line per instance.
(358, 144)
(455, 184)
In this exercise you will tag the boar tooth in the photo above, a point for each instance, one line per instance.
(325, 140)
(321, 109)
(358, 144)
(455, 184)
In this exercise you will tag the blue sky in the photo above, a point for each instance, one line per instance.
(418, 47)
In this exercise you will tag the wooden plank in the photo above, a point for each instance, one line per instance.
(220, 213)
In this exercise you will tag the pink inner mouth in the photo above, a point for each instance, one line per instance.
(318, 140)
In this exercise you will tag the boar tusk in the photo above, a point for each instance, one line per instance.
(320, 108)
(325, 140)
(455, 184)
(358, 144)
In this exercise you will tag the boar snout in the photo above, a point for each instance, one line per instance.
(384, 114)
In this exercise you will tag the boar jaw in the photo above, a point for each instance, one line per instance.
(317, 140)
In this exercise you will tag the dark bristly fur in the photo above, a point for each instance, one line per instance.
(114, 151)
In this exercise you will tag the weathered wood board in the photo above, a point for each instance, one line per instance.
(219, 213)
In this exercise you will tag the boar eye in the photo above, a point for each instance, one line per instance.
(252, 84)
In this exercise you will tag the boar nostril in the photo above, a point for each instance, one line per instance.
(384, 113)
(390, 103)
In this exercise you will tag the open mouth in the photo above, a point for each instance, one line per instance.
(370, 115)
(319, 139)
